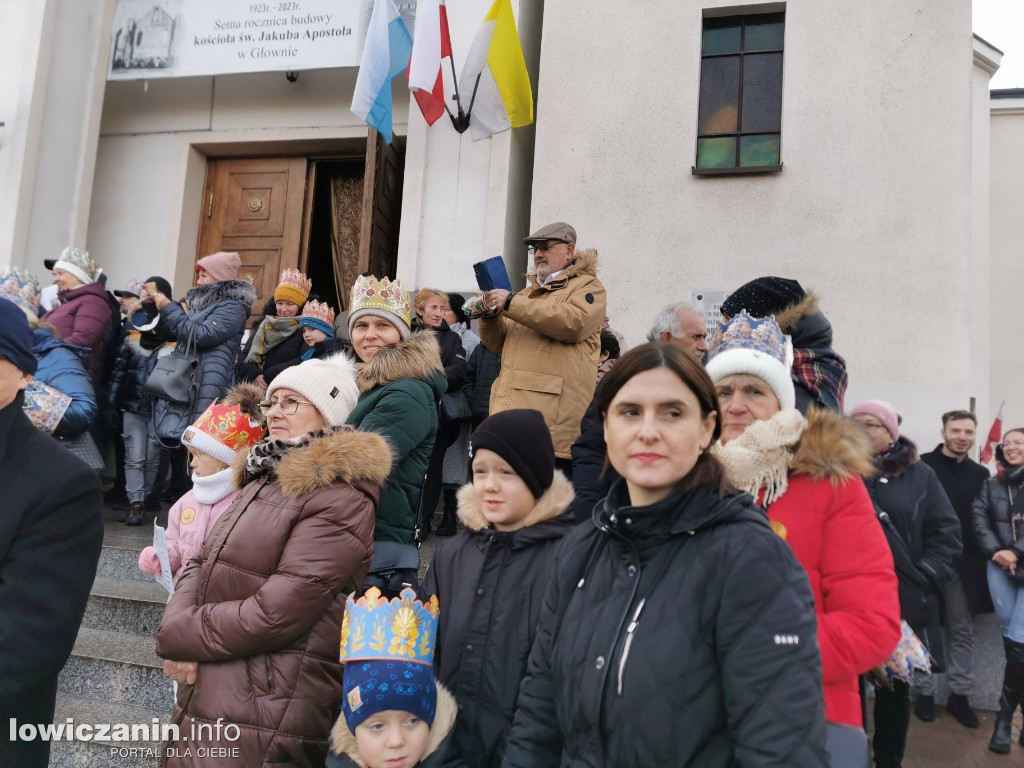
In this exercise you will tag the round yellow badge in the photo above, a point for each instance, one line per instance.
(780, 529)
(188, 515)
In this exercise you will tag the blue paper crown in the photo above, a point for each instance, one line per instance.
(746, 332)
(402, 629)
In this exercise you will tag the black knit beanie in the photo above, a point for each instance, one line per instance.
(763, 297)
(522, 439)
(456, 300)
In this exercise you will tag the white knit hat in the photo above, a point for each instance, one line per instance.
(754, 347)
(329, 383)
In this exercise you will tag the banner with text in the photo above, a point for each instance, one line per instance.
(182, 38)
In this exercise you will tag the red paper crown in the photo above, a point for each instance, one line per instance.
(223, 431)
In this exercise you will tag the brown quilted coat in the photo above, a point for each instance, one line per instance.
(260, 608)
(549, 340)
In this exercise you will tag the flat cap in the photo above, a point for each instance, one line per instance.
(558, 231)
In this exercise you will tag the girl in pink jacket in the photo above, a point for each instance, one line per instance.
(218, 436)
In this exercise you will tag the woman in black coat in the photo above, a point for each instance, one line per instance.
(430, 308)
(924, 535)
(678, 629)
(277, 343)
(998, 515)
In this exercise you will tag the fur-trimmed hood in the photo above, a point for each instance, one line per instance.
(832, 447)
(584, 262)
(553, 503)
(897, 459)
(341, 455)
(205, 296)
(343, 741)
(806, 324)
(418, 357)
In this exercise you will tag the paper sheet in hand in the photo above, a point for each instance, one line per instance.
(491, 274)
(166, 577)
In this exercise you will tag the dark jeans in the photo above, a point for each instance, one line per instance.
(892, 719)
(446, 435)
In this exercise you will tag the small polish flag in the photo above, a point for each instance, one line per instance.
(431, 45)
(995, 434)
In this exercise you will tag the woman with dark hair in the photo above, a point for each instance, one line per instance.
(678, 629)
(998, 516)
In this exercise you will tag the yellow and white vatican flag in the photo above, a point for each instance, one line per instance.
(494, 79)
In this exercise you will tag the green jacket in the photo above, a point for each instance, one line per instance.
(398, 394)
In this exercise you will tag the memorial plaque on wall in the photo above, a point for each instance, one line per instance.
(182, 38)
(709, 305)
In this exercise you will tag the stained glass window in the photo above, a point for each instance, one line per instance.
(739, 121)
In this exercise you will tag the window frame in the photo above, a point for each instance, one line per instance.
(753, 16)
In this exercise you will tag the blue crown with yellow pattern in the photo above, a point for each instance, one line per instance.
(387, 647)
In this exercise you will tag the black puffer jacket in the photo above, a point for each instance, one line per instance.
(680, 634)
(992, 512)
(493, 585)
(908, 491)
(217, 312)
(277, 358)
(481, 371)
(589, 476)
(453, 354)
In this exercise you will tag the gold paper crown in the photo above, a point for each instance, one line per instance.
(293, 286)
(375, 296)
(319, 311)
(402, 629)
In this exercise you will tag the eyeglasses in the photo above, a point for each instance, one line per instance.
(288, 405)
(872, 427)
(547, 245)
(1012, 443)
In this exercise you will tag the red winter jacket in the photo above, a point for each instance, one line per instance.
(83, 319)
(827, 518)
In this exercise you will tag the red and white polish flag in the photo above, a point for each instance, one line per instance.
(430, 46)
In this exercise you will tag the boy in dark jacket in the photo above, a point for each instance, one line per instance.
(491, 577)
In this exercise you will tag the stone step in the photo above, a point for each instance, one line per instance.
(119, 562)
(131, 607)
(116, 667)
(110, 754)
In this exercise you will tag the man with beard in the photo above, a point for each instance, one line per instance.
(966, 593)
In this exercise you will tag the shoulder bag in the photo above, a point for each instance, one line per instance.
(173, 378)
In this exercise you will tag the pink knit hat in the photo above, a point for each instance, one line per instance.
(884, 412)
(223, 265)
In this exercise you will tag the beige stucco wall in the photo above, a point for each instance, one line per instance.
(872, 210)
(1007, 276)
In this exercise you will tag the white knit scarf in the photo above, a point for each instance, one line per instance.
(212, 488)
(759, 458)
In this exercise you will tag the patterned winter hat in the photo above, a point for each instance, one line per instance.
(382, 298)
(755, 348)
(223, 431)
(134, 289)
(319, 316)
(21, 287)
(79, 263)
(387, 647)
(294, 287)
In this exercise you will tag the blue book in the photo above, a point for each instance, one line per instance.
(491, 274)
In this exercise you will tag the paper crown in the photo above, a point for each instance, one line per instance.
(21, 287)
(745, 332)
(755, 347)
(401, 629)
(78, 263)
(293, 286)
(318, 315)
(384, 298)
(223, 431)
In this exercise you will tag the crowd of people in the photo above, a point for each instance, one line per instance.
(685, 553)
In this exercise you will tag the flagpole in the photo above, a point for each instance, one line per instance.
(461, 123)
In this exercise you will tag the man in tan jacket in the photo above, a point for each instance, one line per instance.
(549, 336)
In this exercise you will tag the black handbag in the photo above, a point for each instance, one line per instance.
(455, 407)
(173, 378)
(393, 566)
